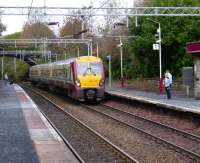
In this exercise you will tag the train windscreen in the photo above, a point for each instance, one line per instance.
(88, 68)
(95, 68)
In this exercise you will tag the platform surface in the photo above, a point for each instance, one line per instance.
(184, 104)
(25, 134)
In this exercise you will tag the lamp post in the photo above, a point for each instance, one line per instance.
(160, 54)
(2, 64)
(121, 65)
(110, 73)
(121, 61)
(82, 26)
(120, 46)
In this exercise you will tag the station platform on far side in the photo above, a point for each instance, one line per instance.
(184, 104)
(25, 134)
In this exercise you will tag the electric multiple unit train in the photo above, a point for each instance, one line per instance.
(82, 77)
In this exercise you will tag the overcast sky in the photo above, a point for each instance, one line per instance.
(15, 23)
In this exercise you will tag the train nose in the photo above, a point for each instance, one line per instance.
(90, 93)
(90, 81)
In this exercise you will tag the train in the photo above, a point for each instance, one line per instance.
(82, 78)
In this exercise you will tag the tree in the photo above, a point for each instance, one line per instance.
(113, 26)
(71, 27)
(2, 27)
(37, 30)
(176, 32)
(15, 35)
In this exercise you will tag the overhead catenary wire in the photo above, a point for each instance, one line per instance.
(30, 9)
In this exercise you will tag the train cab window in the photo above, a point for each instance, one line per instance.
(95, 68)
(82, 68)
(89, 68)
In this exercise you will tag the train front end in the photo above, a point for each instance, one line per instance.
(90, 80)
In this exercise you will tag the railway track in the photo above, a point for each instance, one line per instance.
(137, 144)
(90, 145)
(180, 141)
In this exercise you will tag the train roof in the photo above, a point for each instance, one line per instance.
(88, 59)
(78, 59)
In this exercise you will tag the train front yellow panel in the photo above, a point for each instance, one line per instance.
(89, 80)
(88, 59)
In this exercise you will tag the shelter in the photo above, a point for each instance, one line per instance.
(193, 48)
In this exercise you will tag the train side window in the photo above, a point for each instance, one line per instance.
(54, 72)
(60, 72)
(34, 72)
(50, 71)
(45, 71)
(39, 71)
(68, 72)
(71, 74)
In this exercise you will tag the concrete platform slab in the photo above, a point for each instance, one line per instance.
(25, 134)
(177, 103)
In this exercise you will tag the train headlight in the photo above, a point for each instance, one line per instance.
(101, 83)
(78, 83)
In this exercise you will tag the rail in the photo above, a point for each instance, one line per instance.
(188, 152)
(124, 156)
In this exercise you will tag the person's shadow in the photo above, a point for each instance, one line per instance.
(11, 82)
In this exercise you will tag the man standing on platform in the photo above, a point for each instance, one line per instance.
(6, 76)
(169, 76)
(168, 83)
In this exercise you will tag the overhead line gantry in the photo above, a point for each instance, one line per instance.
(74, 11)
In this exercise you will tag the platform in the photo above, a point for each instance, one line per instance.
(177, 103)
(25, 134)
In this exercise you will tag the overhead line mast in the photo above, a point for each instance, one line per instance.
(30, 9)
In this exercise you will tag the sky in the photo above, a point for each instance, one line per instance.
(15, 23)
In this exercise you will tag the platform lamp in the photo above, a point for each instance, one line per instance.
(2, 62)
(109, 58)
(120, 46)
(160, 54)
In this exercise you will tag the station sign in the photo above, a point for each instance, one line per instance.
(193, 47)
(155, 46)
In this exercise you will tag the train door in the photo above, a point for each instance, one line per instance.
(71, 80)
(72, 74)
